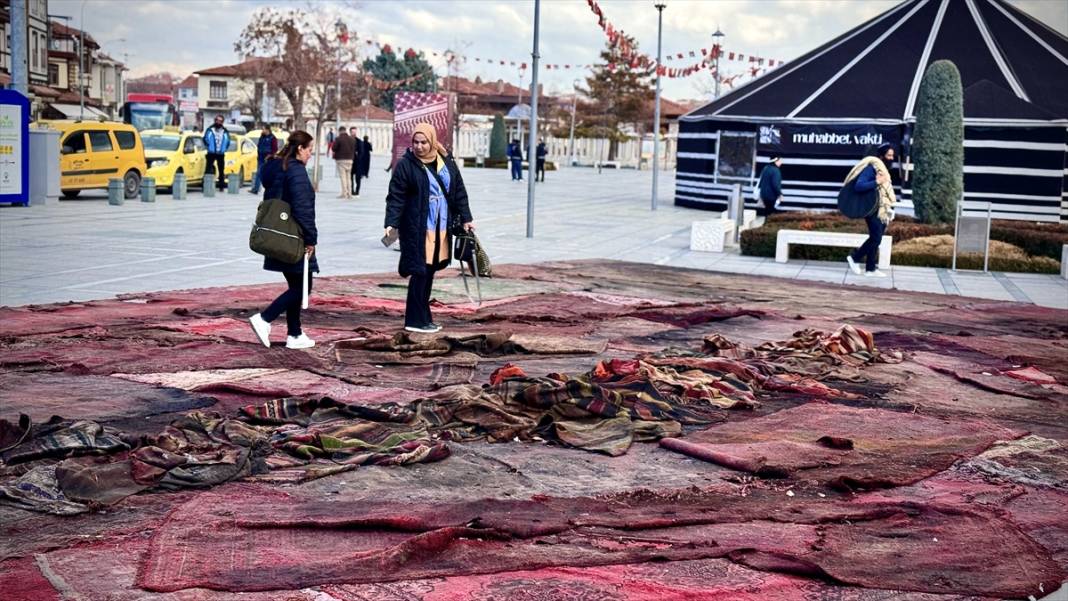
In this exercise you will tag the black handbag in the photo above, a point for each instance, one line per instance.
(856, 205)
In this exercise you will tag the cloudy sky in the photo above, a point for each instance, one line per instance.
(182, 36)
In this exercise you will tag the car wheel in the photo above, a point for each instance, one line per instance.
(131, 184)
(71, 193)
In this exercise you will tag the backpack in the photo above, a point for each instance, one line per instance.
(275, 234)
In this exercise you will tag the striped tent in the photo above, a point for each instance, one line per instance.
(824, 110)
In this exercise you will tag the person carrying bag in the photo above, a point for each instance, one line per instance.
(868, 193)
(426, 194)
(286, 235)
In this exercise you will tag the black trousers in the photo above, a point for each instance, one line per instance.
(539, 172)
(869, 251)
(417, 308)
(289, 301)
(355, 181)
(217, 165)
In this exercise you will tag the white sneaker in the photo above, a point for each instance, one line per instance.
(262, 329)
(298, 342)
(853, 265)
(422, 329)
(874, 274)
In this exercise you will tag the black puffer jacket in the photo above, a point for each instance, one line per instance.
(293, 186)
(408, 205)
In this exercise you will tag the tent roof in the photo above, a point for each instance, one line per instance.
(873, 71)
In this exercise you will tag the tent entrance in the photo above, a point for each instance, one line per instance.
(735, 156)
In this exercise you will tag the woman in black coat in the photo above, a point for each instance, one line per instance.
(285, 176)
(426, 194)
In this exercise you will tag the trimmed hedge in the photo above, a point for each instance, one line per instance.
(1041, 241)
(498, 139)
(975, 261)
(938, 144)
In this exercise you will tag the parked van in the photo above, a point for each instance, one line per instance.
(92, 152)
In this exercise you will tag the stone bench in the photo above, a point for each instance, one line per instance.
(787, 237)
(711, 236)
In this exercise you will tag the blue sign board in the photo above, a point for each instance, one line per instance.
(14, 148)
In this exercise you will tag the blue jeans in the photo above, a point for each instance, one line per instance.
(256, 178)
(517, 169)
(869, 251)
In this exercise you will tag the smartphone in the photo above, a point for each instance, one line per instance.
(390, 238)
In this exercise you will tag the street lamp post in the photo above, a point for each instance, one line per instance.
(81, 67)
(571, 137)
(340, 37)
(656, 110)
(716, 44)
(532, 148)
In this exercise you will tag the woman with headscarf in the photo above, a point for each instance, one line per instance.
(426, 194)
(872, 173)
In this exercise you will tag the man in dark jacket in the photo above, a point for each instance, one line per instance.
(515, 158)
(771, 185)
(344, 153)
(363, 162)
(542, 153)
(217, 139)
(265, 148)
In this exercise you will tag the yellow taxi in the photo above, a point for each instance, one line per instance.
(92, 152)
(241, 157)
(170, 152)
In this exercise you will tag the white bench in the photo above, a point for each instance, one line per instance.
(787, 237)
(711, 236)
(1064, 261)
(748, 217)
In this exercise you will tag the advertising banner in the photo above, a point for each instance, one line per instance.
(819, 139)
(14, 148)
(413, 108)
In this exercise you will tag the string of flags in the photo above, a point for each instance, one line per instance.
(616, 38)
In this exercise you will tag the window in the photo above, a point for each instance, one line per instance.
(127, 140)
(217, 90)
(35, 53)
(248, 147)
(199, 143)
(75, 143)
(53, 74)
(190, 146)
(100, 141)
(736, 155)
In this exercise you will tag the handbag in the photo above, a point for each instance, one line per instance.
(275, 234)
(856, 205)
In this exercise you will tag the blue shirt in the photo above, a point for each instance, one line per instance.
(438, 216)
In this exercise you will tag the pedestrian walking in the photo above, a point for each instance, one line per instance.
(869, 192)
(265, 149)
(426, 195)
(363, 163)
(330, 137)
(354, 173)
(344, 153)
(769, 188)
(285, 176)
(217, 140)
(515, 158)
(542, 153)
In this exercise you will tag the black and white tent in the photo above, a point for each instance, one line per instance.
(823, 110)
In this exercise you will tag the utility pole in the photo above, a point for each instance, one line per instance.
(717, 47)
(656, 110)
(342, 34)
(532, 146)
(571, 137)
(20, 77)
(81, 68)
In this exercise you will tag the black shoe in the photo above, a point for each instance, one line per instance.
(421, 329)
(435, 327)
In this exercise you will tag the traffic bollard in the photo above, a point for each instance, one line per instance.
(148, 189)
(209, 185)
(178, 188)
(233, 183)
(116, 191)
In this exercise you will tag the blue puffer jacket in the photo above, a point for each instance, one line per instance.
(217, 143)
(293, 186)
